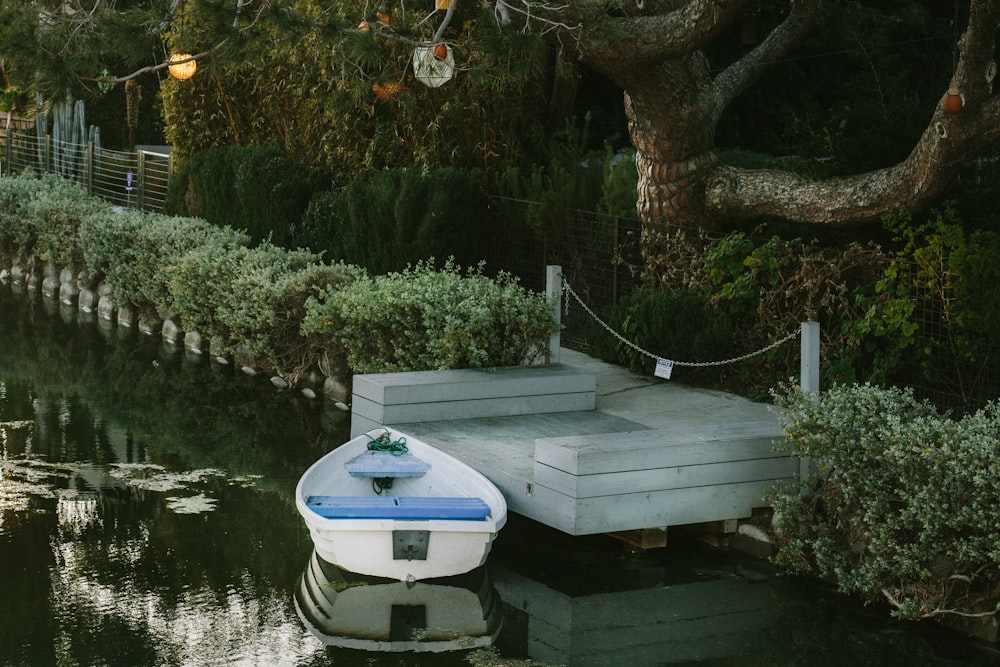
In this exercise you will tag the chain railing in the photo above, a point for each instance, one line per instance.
(656, 357)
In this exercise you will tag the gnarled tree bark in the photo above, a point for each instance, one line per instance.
(674, 103)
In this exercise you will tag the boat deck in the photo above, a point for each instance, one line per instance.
(651, 454)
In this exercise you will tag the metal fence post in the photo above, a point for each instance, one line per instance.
(141, 172)
(89, 167)
(553, 292)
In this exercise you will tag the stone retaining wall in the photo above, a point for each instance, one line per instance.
(77, 291)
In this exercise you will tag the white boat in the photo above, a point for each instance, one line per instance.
(374, 614)
(386, 504)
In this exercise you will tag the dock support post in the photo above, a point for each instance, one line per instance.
(809, 367)
(809, 380)
(553, 292)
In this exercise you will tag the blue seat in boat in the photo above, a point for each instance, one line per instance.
(416, 508)
(376, 463)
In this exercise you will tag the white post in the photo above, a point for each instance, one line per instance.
(809, 368)
(809, 380)
(553, 292)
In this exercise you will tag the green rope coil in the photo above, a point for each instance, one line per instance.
(384, 443)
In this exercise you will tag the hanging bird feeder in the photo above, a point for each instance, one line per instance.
(442, 4)
(433, 66)
(182, 66)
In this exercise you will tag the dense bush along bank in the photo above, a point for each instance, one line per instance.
(252, 300)
(904, 506)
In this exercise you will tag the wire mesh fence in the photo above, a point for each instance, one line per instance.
(593, 249)
(952, 366)
(131, 179)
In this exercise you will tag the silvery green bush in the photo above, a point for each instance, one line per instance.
(905, 501)
(429, 319)
(56, 213)
(255, 298)
(133, 251)
(18, 234)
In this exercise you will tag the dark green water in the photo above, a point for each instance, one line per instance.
(147, 518)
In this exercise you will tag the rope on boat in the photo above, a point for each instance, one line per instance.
(384, 443)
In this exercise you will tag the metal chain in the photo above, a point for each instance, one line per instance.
(655, 357)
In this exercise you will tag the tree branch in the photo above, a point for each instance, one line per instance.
(654, 38)
(804, 18)
(945, 145)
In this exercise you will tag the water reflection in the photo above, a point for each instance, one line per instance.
(373, 614)
(147, 518)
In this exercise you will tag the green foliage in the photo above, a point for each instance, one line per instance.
(254, 298)
(679, 325)
(132, 250)
(427, 319)
(56, 213)
(906, 502)
(255, 189)
(572, 179)
(763, 290)
(309, 86)
(391, 219)
(956, 275)
(618, 191)
(18, 233)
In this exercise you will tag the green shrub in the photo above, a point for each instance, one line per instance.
(678, 325)
(906, 502)
(263, 305)
(56, 213)
(388, 220)
(134, 250)
(258, 189)
(18, 234)
(427, 319)
(765, 289)
(956, 274)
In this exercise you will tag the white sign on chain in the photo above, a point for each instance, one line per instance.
(664, 367)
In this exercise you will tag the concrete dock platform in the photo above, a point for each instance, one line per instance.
(649, 455)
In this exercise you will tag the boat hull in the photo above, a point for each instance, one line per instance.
(403, 549)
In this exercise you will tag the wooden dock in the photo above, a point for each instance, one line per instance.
(589, 447)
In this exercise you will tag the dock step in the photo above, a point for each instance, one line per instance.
(468, 393)
(414, 508)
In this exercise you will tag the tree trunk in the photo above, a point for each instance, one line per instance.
(669, 111)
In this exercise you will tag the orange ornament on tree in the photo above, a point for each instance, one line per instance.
(953, 102)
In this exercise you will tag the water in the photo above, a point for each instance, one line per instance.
(147, 518)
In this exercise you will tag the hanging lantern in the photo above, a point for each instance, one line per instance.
(182, 66)
(953, 102)
(433, 66)
(442, 4)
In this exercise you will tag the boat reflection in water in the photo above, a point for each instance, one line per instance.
(374, 614)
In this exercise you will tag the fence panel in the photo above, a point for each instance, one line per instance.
(128, 179)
